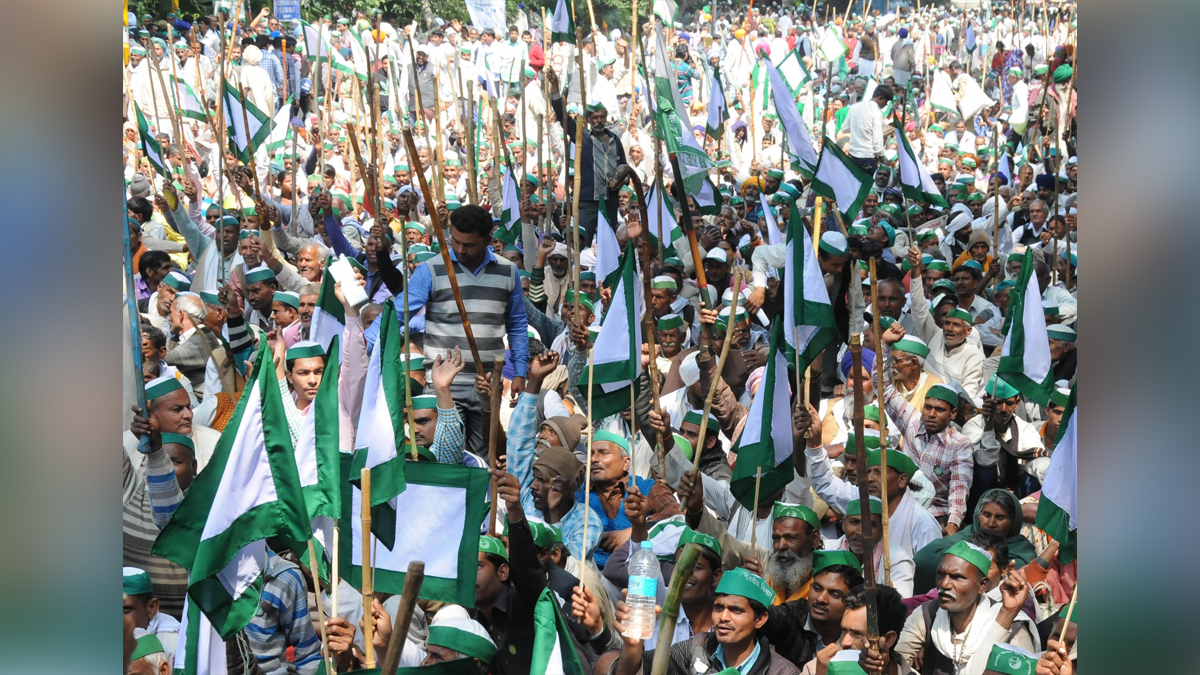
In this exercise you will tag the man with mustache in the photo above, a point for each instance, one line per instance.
(902, 566)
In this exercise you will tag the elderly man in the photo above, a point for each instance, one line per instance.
(954, 355)
(908, 370)
(187, 352)
(943, 453)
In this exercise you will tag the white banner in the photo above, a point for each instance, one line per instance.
(488, 14)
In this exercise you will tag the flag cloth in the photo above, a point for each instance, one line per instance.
(553, 653)
(329, 316)
(915, 179)
(831, 45)
(358, 57)
(666, 10)
(674, 124)
(381, 423)
(799, 143)
(562, 23)
(316, 48)
(794, 73)
(318, 461)
(608, 249)
(248, 130)
(766, 440)
(249, 492)
(1004, 167)
(281, 129)
(807, 312)
(151, 148)
(841, 180)
(665, 229)
(442, 508)
(1025, 356)
(187, 102)
(941, 95)
(509, 229)
(774, 234)
(1058, 509)
(199, 650)
(617, 355)
(718, 110)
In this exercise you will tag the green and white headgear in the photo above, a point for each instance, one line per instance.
(669, 322)
(135, 581)
(463, 635)
(161, 386)
(834, 243)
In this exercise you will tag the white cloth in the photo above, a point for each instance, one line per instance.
(865, 122)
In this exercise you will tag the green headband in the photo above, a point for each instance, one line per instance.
(823, 559)
(972, 554)
(747, 585)
(800, 511)
(610, 437)
(943, 393)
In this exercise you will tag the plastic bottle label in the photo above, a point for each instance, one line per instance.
(644, 586)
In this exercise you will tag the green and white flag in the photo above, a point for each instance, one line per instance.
(281, 128)
(150, 145)
(562, 23)
(915, 180)
(248, 130)
(509, 229)
(553, 651)
(766, 440)
(329, 316)
(618, 350)
(841, 180)
(358, 57)
(249, 492)
(665, 229)
(794, 73)
(318, 461)
(718, 110)
(1025, 356)
(316, 47)
(800, 145)
(941, 94)
(831, 45)
(381, 423)
(666, 10)
(807, 312)
(708, 198)
(608, 249)
(674, 124)
(1058, 510)
(441, 512)
(187, 102)
(199, 650)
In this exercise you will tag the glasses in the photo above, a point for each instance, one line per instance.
(212, 216)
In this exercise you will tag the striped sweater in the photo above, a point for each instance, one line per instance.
(148, 501)
(485, 297)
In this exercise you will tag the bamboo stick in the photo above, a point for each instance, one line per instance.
(367, 573)
(494, 434)
(408, 600)
(712, 388)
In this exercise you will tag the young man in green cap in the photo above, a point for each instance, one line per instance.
(902, 566)
(739, 613)
(800, 629)
(1005, 444)
(955, 632)
(138, 600)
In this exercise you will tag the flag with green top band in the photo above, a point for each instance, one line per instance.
(318, 461)
(248, 126)
(562, 23)
(199, 649)
(151, 148)
(674, 124)
(1058, 509)
(840, 179)
(807, 311)
(617, 356)
(509, 229)
(1025, 356)
(329, 316)
(281, 129)
(248, 493)
(187, 103)
(766, 440)
(915, 180)
(553, 650)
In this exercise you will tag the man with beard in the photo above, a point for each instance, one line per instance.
(801, 628)
(838, 423)
(308, 302)
(902, 566)
(955, 632)
(1004, 443)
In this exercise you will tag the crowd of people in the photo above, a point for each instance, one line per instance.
(505, 194)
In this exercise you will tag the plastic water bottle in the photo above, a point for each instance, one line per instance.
(643, 587)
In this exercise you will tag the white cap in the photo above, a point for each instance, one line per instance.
(689, 370)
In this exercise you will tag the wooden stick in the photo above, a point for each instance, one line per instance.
(684, 566)
(408, 407)
(754, 522)
(314, 567)
(436, 154)
(472, 178)
(883, 495)
(334, 578)
(408, 600)
(367, 572)
(135, 330)
(587, 467)
(249, 142)
(864, 498)
(712, 388)
(1062, 635)
(441, 237)
(580, 123)
(494, 433)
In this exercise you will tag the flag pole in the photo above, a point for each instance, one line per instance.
(313, 567)
(754, 522)
(408, 599)
(864, 498)
(684, 566)
(712, 388)
(580, 123)
(1062, 635)
(469, 128)
(367, 581)
(445, 250)
(494, 433)
(249, 142)
(135, 330)
(334, 578)
(883, 495)
(587, 472)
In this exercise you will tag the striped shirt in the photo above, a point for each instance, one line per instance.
(684, 73)
(282, 621)
(149, 499)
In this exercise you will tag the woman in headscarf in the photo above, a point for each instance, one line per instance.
(997, 511)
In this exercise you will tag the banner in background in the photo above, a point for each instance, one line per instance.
(488, 14)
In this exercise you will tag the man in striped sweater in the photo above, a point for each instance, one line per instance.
(495, 305)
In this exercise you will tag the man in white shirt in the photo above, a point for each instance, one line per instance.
(865, 122)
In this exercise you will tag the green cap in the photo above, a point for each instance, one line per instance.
(1058, 331)
(746, 584)
(823, 559)
(939, 265)
(694, 417)
(1011, 660)
(261, 273)
(854, 507)
(424, 402)
(972, 554)
(960, 314)
(569, 298)
(800, 511)
(998, 388)
(543, 534)
(912, 345)
(177, 281)
(895, 460)
(210, 298)
(146, 645)
(465, 636)
(178, 439)
(161, 386)
(670, 322)
(944, 393)
(488, 544)
(664, 281)
(691, 536)
(289, 298)
(135, 581)
(610, 437)
(305, 349)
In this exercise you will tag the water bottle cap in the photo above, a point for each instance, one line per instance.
(647, 544)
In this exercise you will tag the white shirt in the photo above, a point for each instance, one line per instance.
(865, 122)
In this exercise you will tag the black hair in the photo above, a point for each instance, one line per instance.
(141, 208)
(512, 29)
(892, 612)
(472, 219)
(247, 41)
(681, 51)
(488, 31)
(496, 561)
(991, 541)
(883, 92)
(870, 249)
(850, 575)
(976, 274)
(158, 339)
(261, 41)
(152, 260)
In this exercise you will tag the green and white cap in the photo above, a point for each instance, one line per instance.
(1057, 331)
(463, 635)
(823, 559)
(691, 536)
(664, 281)
(260, 273)
(135, 581)
(746, 584)
(305, 349)
(912, 344)
(800, 511)
(670, 322)
(972, 554)
(943, 393)
(146, 645)
(960, 314)
(834, 243)
(1011, 660)
(424, 402)
(854, 506)
(178, 281)
(289, 298)
(492, 545)
(610, 437)
(161, 386)
(210, 298)
(998, 388)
